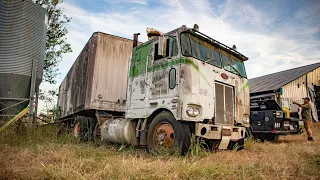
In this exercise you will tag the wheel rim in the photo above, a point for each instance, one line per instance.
(76, 129)
(163, 135)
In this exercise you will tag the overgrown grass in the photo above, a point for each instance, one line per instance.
(41, 154)
(20, 136)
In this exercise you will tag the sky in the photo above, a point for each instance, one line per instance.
(276, 34)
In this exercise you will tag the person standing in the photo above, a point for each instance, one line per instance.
(306, 115)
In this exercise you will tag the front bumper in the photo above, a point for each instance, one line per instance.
(276, 132)
(282, 127)
(216, 132)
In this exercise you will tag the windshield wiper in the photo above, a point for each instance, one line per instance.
(210, 59)
(235, 69)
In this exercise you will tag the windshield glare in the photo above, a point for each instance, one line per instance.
(205, 51)
(200, 49)
(233, 66)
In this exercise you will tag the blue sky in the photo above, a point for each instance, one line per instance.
(274, 34)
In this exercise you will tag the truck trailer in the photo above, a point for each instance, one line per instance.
(158, 94)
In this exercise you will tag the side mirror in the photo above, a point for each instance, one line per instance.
(162, 47)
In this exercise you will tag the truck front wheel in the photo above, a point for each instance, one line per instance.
(166, 134)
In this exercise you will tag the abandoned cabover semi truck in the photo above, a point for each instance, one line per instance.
(174, 85)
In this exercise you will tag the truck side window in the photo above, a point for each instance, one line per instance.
(174, 47)
(172, 78)
(171, 48)
(156, 56)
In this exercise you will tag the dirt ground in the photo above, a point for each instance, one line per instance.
(43, 155)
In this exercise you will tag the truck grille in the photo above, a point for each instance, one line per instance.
(224, 113)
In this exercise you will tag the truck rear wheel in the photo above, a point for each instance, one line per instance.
(166, 134)
(83, 128)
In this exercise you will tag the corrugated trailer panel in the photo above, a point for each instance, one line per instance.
(110, 73)
(75, 87)
(98, 78)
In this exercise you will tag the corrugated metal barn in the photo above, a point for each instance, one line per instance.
(288, 86)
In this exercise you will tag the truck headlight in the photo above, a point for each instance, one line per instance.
(246, 119)
(193, 111)
(279, 114)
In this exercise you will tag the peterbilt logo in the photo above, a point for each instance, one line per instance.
(224, 76)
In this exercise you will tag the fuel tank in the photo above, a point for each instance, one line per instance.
(119, 130)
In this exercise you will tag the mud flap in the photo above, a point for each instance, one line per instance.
(226, 137)
(225, 140)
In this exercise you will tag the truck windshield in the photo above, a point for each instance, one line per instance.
(201, 49)
(233, 66)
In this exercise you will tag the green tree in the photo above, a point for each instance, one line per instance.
(56, 38)
(49, 102)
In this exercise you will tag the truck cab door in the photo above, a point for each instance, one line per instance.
(164, 74)
(138, 77)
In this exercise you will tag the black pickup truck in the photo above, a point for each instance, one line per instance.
(268, 121)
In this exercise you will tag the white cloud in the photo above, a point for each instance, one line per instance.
(141, 2)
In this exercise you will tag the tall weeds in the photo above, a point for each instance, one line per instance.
(20, 135)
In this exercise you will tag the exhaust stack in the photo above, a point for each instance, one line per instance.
(135, 39)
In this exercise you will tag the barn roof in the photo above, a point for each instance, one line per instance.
(277, 80)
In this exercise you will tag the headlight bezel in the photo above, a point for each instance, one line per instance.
(279, 114)
(193, 110)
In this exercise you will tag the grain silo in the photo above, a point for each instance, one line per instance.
(23, 27)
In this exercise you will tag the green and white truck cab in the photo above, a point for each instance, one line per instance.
(201, 82)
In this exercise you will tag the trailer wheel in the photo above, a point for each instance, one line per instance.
(166, 134)
(97, 134)
(83, 128)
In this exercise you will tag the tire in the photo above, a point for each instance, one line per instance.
(239, 145)
(212, 145)
(187, 140)
(83, 128)
(166, 133)
(268, 137)
(97, 134)
(248, 135)
(272, 137)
